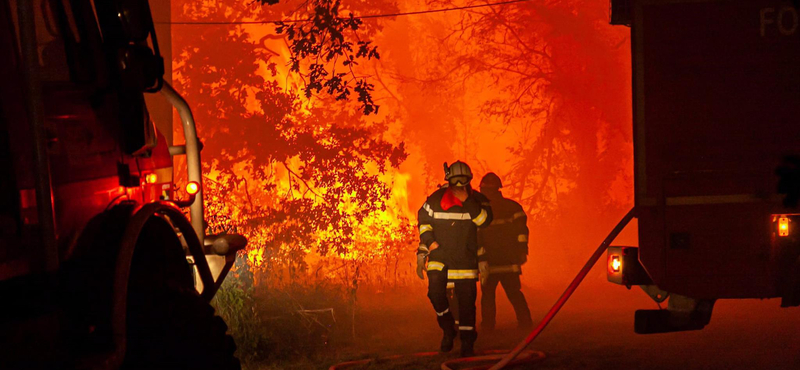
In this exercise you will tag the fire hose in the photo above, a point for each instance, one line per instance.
(510, 358)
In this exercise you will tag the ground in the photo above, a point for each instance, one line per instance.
(593, 331)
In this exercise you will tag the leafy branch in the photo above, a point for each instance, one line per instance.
(319, 44)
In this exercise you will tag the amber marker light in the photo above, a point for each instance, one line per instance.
(783, 226)
(614, 263)
(151, 178)
(192, 187)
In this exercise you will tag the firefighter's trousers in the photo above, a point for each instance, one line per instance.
(466, 292)
(512, 287)
(452, 300)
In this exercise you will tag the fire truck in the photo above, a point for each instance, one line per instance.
(716, 87)
(100, 267)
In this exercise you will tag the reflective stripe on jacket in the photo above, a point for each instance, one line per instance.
(455, 229)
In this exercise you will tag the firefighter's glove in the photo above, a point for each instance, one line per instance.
(421, 265)
(483, 268)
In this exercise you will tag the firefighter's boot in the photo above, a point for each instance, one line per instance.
(447, 323)
(468, 342)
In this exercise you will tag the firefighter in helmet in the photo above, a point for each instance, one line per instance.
(503, 249)
(448, 230)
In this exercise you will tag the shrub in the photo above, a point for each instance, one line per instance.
(272, 321)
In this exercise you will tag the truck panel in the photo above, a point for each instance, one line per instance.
(716, 87)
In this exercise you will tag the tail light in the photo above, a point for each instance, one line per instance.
(624, 267)
(614, 263)
(783, 226)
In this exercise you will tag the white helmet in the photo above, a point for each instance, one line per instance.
(458, 174)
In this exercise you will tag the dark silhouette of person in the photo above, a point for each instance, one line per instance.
(503, 250)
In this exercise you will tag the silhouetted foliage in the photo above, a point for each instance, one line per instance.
(324, 40)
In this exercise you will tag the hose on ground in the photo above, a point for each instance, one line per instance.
(527, 356)
(344, 365)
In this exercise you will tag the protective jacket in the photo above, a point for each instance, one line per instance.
(454, 226)
(504, 244)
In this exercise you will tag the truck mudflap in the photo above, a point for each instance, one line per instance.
(791, 293)
(786, 254)
(683, 314)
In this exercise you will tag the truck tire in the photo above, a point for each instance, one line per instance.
(178, 331)
(169, 326)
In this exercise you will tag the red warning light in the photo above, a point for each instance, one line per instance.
(192, 187)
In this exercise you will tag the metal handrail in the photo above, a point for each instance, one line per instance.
(192, 151)
(33, 92)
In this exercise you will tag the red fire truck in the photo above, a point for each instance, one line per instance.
(716, 87)
(99, 263)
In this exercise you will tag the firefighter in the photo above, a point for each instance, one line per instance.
(448, 227)
(503, 249)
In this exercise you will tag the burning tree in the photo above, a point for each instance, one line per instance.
(296, 176)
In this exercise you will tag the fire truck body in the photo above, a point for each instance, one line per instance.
(715, 113)
(94, 261)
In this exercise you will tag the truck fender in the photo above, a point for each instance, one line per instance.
(145, 213)
(95, 280)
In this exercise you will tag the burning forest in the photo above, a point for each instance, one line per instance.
(325, 131)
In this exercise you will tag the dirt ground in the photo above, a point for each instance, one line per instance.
(593, 331)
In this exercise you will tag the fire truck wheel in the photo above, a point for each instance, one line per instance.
(168, 325)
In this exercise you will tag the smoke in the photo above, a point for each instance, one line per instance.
(539, 94)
